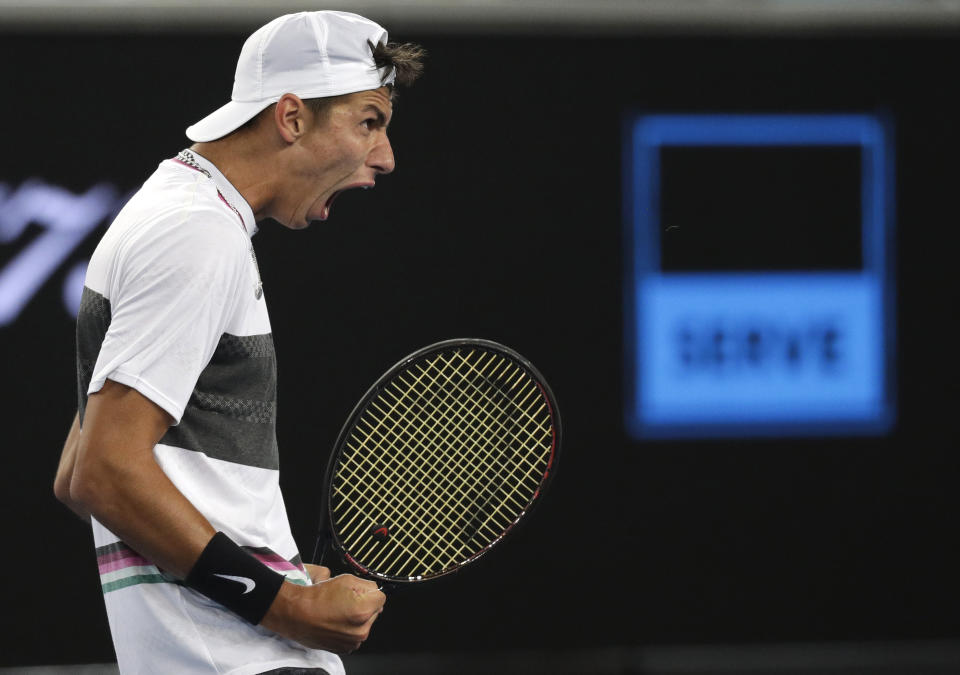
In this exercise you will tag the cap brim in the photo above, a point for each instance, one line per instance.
(222, 121)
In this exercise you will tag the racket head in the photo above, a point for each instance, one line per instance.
(441, 458)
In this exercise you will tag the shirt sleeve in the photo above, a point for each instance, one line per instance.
(173, 292)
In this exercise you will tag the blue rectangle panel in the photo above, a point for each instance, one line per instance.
(737, 349)
(712, 354)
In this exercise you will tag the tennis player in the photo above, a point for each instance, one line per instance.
(173, 453)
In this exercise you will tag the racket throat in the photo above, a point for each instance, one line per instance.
(323, 545)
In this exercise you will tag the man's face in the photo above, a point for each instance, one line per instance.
(346, 149)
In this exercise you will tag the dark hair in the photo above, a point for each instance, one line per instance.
(406, 60)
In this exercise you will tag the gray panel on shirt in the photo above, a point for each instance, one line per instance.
(93, 319)
(232, 411)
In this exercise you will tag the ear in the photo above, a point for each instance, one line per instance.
(290, 117)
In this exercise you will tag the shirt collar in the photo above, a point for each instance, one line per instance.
(228, 193)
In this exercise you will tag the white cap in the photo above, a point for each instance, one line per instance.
(310, 54)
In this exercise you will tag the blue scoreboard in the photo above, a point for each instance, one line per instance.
(759, 290)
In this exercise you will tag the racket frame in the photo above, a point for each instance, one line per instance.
(327, 539)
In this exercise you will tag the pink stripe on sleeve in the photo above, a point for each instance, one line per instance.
(129, 561)
(275, 562)
(117, 555)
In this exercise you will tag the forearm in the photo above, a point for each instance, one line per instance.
(138, 503)
(117, 480)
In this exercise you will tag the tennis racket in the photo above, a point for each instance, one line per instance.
(439, 460)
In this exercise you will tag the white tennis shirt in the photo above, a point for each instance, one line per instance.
(173, 307)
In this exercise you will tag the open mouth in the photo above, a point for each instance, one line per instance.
(325, 211)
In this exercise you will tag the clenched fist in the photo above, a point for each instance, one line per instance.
(333, 614)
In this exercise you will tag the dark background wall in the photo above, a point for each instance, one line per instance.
(504, 221)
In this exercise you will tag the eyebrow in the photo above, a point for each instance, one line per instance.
(381, 118)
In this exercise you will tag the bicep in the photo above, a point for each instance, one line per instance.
(119, 418)
(120, 428)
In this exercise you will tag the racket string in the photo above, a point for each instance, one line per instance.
(405, 517)
(519, 372)
(448, 429)
(534, 468)
(391, 478)
(491, 494)
(412, 427)
(523, 442)
(393, 487)
(411, 548)
(437, 515)
(501, 460)
(483, 443)
(437, 475)
(451, 437)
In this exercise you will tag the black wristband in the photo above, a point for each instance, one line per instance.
(226, 573)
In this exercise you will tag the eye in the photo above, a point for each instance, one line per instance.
(370, 123)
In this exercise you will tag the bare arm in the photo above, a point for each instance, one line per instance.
(68, 457)
(116, 479)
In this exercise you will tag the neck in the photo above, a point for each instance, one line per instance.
(248, 168)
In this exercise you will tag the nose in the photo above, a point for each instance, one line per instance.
(380, 158)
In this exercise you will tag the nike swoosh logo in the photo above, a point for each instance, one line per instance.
(248, 583)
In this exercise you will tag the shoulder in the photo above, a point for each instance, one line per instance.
(200, 248)
(186, 194)
(180, 211)
(175, 225)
